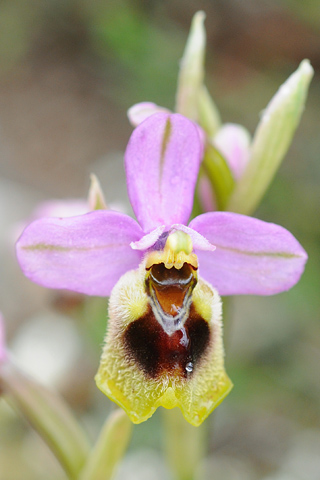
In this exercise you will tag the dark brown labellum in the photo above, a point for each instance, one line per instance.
(171, 337)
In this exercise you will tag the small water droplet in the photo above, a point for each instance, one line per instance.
(189, 367)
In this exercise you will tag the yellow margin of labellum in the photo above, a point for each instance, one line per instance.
(120, 375)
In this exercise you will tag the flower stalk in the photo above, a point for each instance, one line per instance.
(185, 445)
(48, 415)
(109, 448)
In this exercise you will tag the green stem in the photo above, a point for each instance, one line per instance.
(48, 415)
(110, 447)
(184, 444)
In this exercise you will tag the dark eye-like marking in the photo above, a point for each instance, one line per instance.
(157, 353)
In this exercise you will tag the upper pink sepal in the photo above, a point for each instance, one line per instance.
(162, 162)
(251, 256)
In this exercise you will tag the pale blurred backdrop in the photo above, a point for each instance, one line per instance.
(69, 70)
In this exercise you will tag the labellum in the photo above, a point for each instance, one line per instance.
(164, 340)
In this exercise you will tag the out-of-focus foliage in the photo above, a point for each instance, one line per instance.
(68, 72)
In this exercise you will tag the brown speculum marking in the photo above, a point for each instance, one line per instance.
(171, 337)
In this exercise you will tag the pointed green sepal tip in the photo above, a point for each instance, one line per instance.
(96, 198)
(272, 139)
(191, 73)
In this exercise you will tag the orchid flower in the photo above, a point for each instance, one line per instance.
(164, 340)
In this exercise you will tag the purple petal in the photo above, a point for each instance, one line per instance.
(162, 163)
(141, 111)
(252, 256)
(199, 242)
(148, 240)
(86, 254)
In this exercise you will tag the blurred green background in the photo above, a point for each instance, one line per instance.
(69, 70)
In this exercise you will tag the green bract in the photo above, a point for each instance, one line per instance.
(191, 73)
(272, 140)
